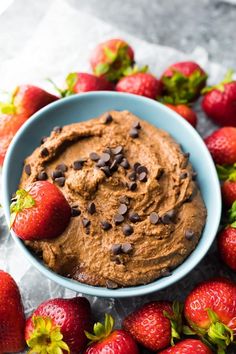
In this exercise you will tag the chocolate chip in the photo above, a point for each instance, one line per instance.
(44, 152)
(106, 225)
(77, 165)
(122, 210)
(134, 217)
(142, 177)
(57, 174)
(57, 129)
(114, 166)
(136, 165)
(154, 218)
(111, 284)
(106, 170)
(186, 154)
(116, 249)
(43, 139)
(132, 186)
(124, 163)
(127, 230)
(194, 175)
(94, 156)
(141, 169)
(62, 167)
(28, 169)
(75, 212)
(159, 173)
(166, 272)
(124, 200)
(189, 234)
(136, 125)
(108, 119)
(167, 218)
(91, 208)
(105, 157)
(60, 181)
(118, 219)
(117, 150)
(85, 222)
(42, 176)
(100, 163)
(183, 175)
(119, 158)
(133, 133)
(126, 248)
(132, 176)
(87, 230)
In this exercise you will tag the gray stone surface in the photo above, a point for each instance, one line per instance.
(183, 24)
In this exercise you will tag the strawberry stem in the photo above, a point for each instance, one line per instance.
(175, 320)
(101, 330)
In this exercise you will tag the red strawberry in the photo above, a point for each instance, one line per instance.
(183, 82)
(111, 59)
(227, 174)
(209, 308)
(143, 84)
(188, 346)
(41, 211)
(12, 317)
(227, 246)
(29, 99)
(228, 190)
(222, 145)
(185, 111)
(25, 101)
(155, 324)
(83, 82)
(104, 340)
(219, 102)
(58, 325)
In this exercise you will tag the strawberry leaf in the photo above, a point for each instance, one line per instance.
(23, 200)
(188, 331)
(212, 315)
(130, 70)
(110, 54)
(61, 92)
(226, 172)
(232, 213)
(175, 320)
(227, 79)
(101, 69)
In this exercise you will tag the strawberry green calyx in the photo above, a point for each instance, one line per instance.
(175, 320)
(232, 215)
(135, 70)
(101, 331)
(226, 172)
(7, 108)
(181, 89)
(218, 333)
(22, 200)
(46, 338)
(115, 63)
(227, 80)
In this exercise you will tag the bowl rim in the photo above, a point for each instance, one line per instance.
(102, 291)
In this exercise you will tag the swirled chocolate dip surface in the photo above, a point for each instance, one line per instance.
(137, 211)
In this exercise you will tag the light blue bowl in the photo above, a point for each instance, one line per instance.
(85, 106)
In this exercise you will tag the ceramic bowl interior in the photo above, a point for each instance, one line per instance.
(83, 107)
